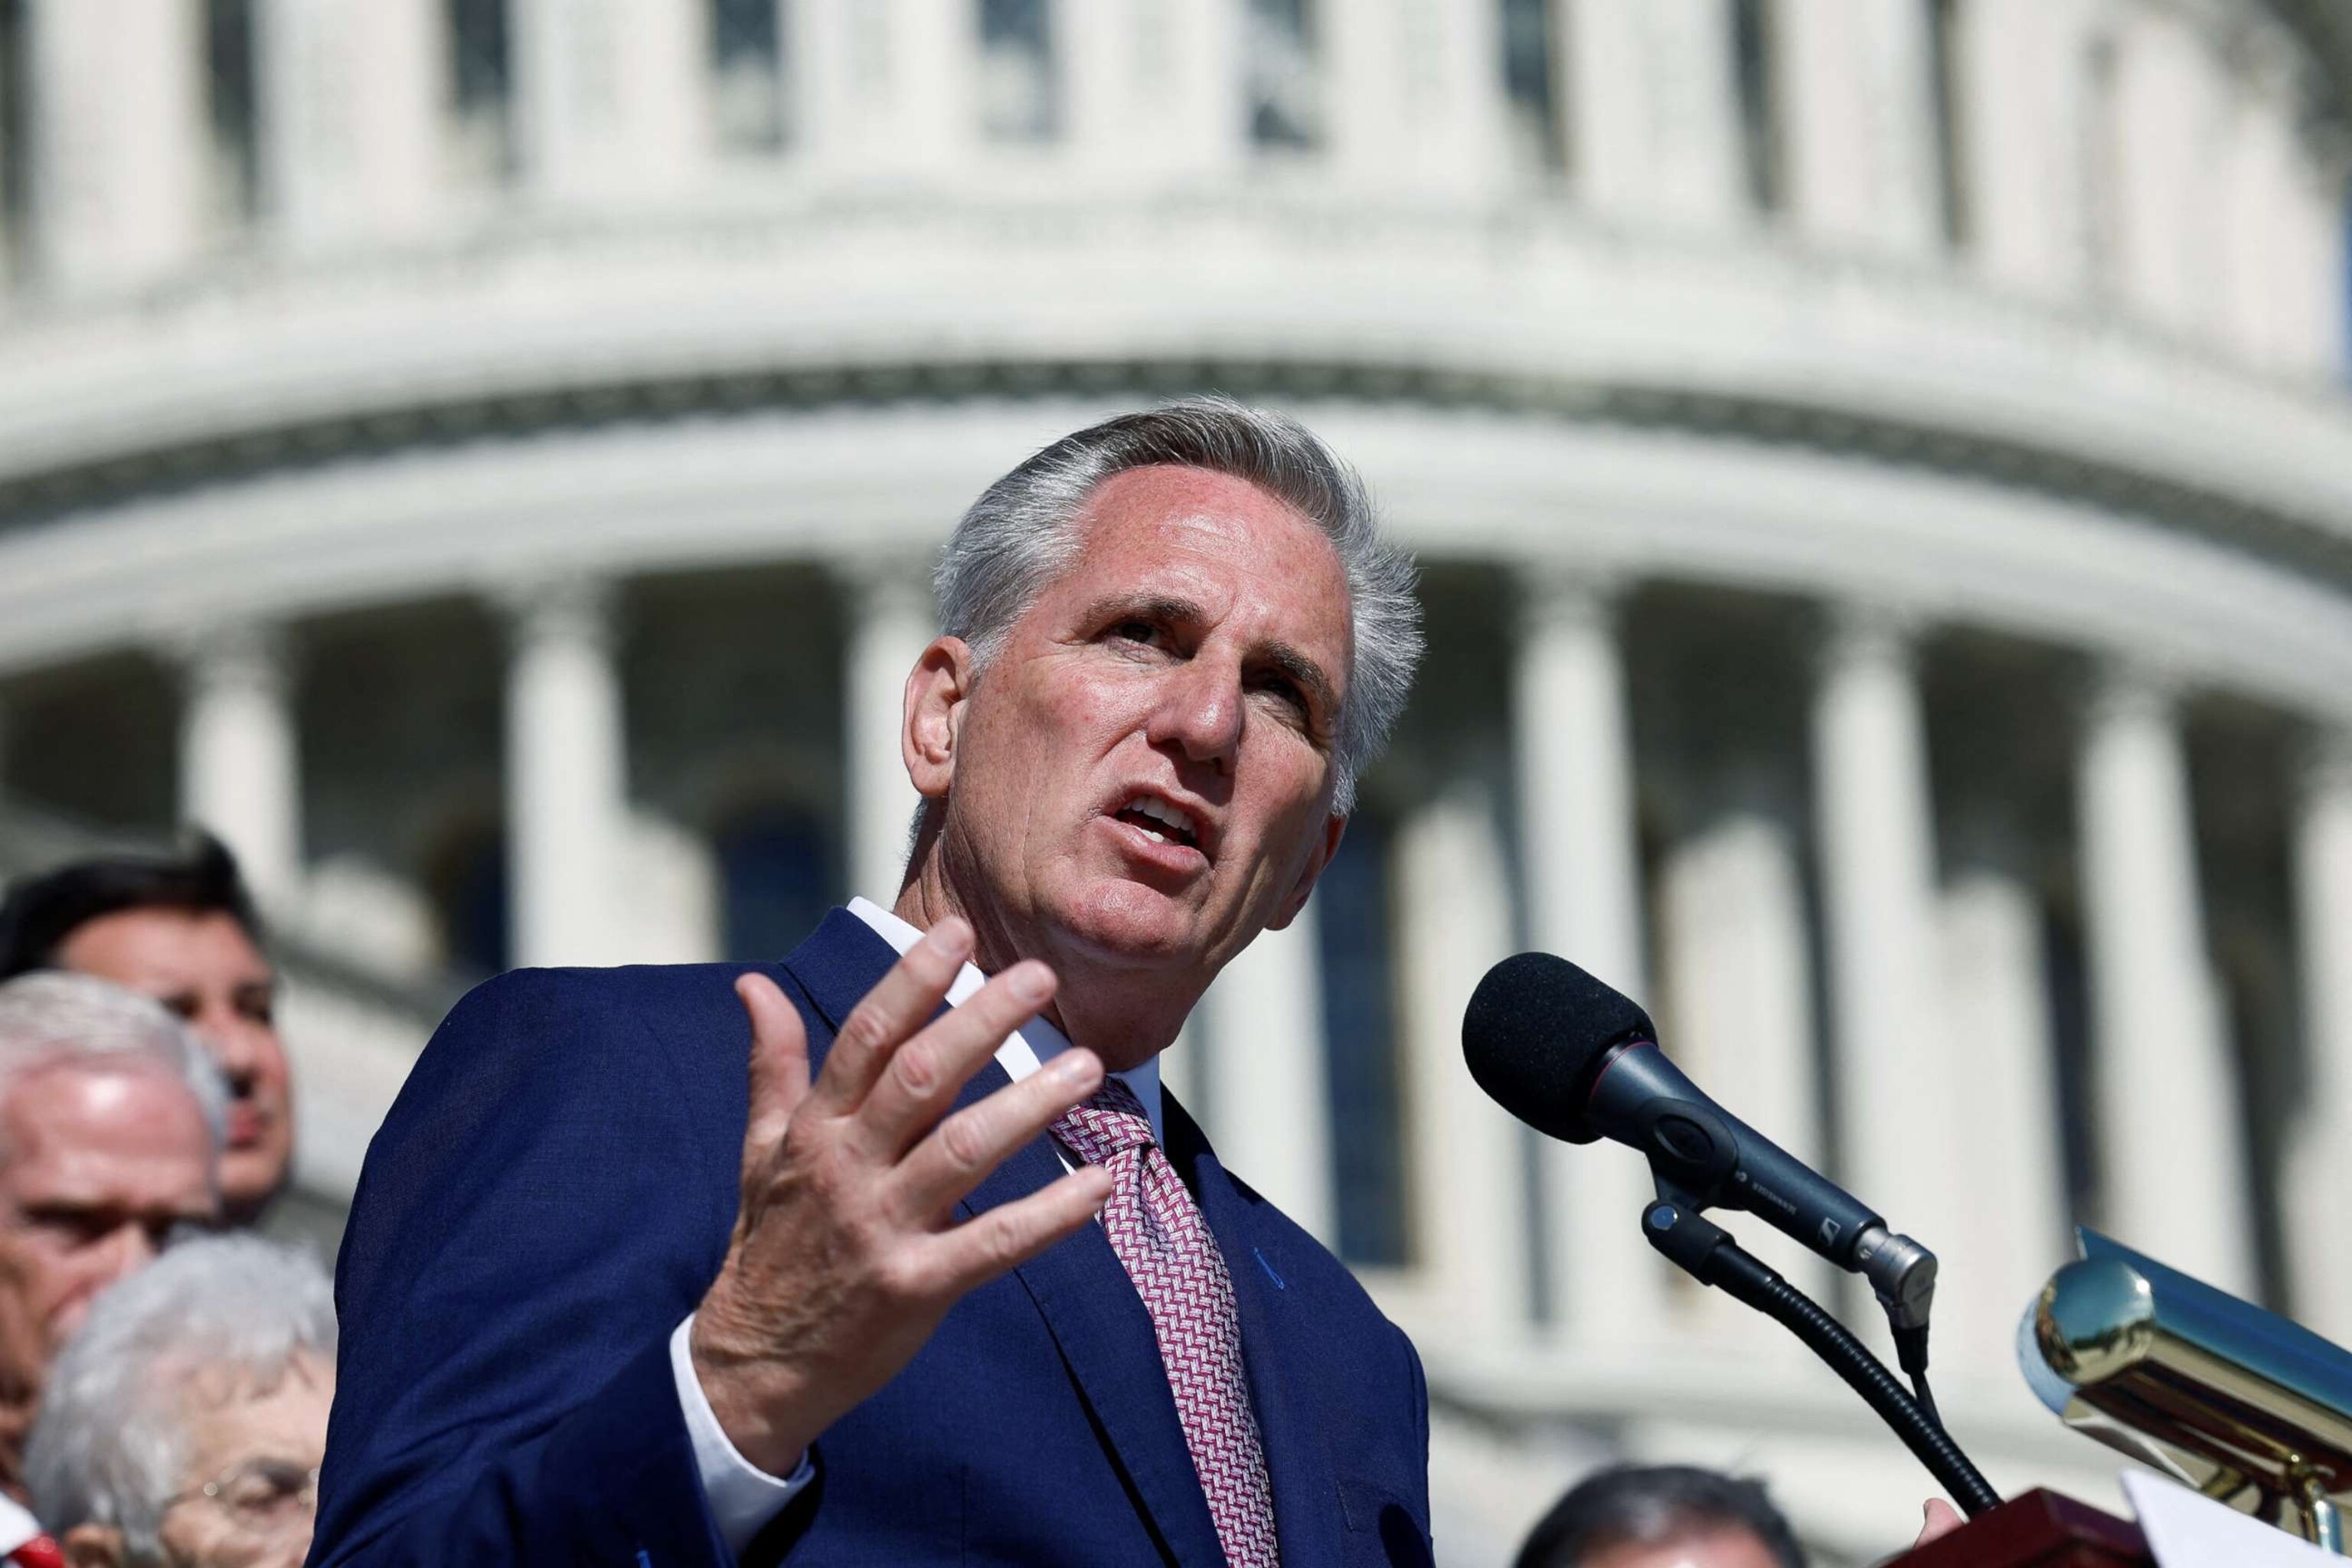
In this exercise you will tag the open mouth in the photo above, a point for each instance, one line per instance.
(1159, 822)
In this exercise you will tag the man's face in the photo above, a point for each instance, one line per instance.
(1726, 1547)
(99, 1161)
(1190, 666)
(206, 970)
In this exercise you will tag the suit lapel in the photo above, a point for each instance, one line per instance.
(1079, 1288)
(1308, 1522)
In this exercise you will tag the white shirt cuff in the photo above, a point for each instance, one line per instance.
(742, 1497)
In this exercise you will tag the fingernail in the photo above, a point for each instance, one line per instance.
(951, 938)
(1076, 1067)
(1031, 983)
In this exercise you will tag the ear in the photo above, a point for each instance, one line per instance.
(1326, 843)
(937, 690)
(94, 1546)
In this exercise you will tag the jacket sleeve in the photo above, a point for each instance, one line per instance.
(550, 1196)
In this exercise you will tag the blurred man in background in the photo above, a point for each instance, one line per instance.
(1662, 1516)
(184, 931)
(186, 1422)
(110, 1133)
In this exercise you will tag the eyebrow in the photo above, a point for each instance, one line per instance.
(1282, 655)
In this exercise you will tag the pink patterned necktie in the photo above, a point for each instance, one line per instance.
(1157, 1231)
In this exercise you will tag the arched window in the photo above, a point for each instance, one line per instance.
(1531, 85)
(1945, 82)
(466, 877)
(747, 68)
(1017, 86)
(15, 128)
(481, 85)
(1753, 68)
(1354, 927)
(776, 880)
(1286, 87)
(230, 105)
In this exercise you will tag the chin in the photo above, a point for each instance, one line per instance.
(1126, 921)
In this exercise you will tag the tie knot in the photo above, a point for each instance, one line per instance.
(1110, 1123)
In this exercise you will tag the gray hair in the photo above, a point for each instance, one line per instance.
(1023, 532)
(51, 1016)
(111, 1445)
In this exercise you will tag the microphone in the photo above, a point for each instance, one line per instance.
(1579, 1060)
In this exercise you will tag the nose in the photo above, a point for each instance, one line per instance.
(130, 1248)
(1199, 710)
(231, 1040)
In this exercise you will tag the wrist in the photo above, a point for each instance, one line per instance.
(762, 1407)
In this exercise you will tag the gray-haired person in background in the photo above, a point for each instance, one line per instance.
(186, 1422)
(110, 1129)
(1662, 1516)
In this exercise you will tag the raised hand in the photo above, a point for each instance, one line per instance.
(847, 1254)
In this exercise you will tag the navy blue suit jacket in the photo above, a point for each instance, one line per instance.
(552, 1192)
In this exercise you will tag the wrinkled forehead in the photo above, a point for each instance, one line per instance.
(118, 1100)
(1163, 528)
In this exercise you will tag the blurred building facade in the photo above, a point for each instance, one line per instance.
(1881, 469)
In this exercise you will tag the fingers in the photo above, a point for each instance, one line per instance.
(922, 1076)
(780, 1067)
(962, 1149)
(888, 1014)
(1005, 1237)
(1937, 1518)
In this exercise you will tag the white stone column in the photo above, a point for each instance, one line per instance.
(2317, 1189)
(612, 97)
(1739, 1015)
(119, 141)
(1465, 1166)
(350, 102)
(890, 623)
(567, 807)
(1152, 87)
(2167, 135)
(1858, 123)
(2172, 1173)
(1876, 826)
(240, 770)
(1995, 1011)
(1272, 1102)
(2282, 236)
(1416, 94)
(1655, 127)
(884, 84)
(1582, 869)
(2021, 67)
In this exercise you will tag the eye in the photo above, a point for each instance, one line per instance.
(1135, 629)
(73, 1226)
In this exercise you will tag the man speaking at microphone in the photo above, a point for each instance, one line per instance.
(933, 1287)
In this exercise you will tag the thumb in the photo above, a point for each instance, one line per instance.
(779, 1064)
(1937, 1518)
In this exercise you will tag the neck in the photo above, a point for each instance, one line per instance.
(1124, 1015)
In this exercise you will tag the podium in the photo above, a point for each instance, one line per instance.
(2037, 1530)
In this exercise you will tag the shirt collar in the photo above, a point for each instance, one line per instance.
(1032, 1044)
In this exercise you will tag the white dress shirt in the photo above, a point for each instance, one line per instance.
(743, 1497)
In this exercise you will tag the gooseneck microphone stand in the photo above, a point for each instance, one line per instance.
(1706, 1252)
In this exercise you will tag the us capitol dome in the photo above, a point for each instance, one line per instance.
(1882, 469)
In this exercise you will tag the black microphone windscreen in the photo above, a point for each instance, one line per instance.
(1535, 1034)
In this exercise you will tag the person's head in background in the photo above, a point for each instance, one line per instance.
(1662, 1516)
(182, 929)
(111, 1116)
(186, 1422)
